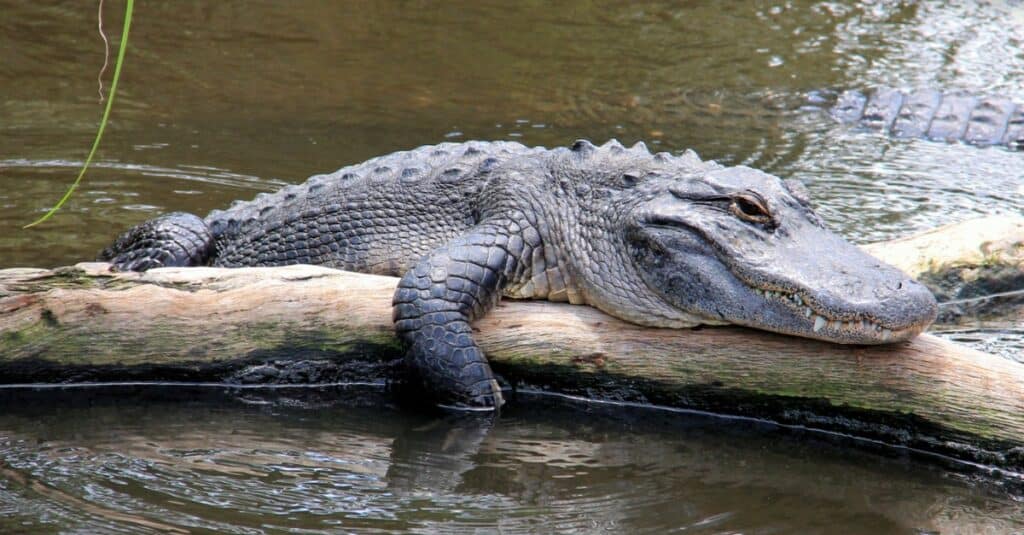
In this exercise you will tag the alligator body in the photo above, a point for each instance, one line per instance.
(931, 114)
(655, 239)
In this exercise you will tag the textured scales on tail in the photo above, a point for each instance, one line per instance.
(931, 114)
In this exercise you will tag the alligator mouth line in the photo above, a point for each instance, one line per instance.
(822, 322)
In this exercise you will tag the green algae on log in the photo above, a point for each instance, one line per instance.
(306, 324)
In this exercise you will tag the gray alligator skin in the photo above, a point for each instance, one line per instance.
(927, 113)
(655, 239)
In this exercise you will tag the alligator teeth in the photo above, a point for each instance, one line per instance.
(808, 312)
(819, 323)
(886, 334)
(797, 300)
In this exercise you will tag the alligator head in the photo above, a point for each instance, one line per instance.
(736, 245)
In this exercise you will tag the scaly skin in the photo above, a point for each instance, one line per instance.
(654, 239)
(930, 114)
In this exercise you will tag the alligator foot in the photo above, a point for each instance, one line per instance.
(176, 239)
(434, 305)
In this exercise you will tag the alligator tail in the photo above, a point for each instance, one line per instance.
(931, 114)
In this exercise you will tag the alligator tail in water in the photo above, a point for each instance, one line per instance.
(655, 239)
(931, 114)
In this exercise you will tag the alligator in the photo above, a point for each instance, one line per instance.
(654, 239)
(931, 114)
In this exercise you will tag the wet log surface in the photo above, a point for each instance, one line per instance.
(306, 324)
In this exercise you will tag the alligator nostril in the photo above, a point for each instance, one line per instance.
(899, 285)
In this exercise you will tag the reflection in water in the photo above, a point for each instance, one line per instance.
(137, 458)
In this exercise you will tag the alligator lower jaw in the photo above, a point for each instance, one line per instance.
(823, 327)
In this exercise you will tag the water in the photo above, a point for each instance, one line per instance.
(221, 100)
(153, 460)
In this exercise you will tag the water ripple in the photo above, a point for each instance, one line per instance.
(83, 457)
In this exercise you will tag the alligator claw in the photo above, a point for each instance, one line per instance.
(482, 396)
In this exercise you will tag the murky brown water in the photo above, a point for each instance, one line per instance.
(146, 459)
(221, 100)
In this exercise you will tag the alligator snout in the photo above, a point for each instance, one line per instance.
(873, 304)
(911, 305)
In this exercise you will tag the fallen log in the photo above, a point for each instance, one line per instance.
(307, 324)
(975, 267)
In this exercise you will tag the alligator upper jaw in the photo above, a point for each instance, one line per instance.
(797, 278)
(809, 321)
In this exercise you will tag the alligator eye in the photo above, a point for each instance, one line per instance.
(629, 180)
(750, 208)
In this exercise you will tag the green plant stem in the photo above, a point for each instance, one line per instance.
(103, 122)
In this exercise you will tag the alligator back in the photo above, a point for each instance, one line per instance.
(931, 114)
(379, 216)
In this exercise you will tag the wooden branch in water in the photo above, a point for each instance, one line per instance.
(976, 266)
(311, 324)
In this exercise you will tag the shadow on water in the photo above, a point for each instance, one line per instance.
(221, 100)
(164, 458)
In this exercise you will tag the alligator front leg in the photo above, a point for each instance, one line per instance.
(435, 303)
